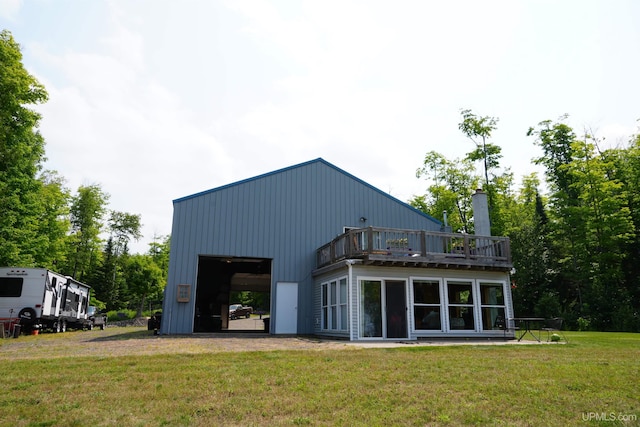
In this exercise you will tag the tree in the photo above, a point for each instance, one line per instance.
(625, 167)
(566, 226)
(21, 155)
(144, 279)
(608, 229)
(534, 292)
(452, 185)
(105, 287)
(159, 252)
(478, 130)
(122, 228)
(591, 225)
(87, 211)
(53, 221)
(504, 203)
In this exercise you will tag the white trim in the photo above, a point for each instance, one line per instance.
(286, 321)
(357, 273)
(412, 303)
(383, 306)
(350, 297)
(474, 306)
(504, 298)
(340, 320)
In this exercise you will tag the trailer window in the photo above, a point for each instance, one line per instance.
(10, 286)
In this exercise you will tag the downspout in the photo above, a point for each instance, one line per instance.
(350, 271)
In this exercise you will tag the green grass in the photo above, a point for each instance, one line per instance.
(595, 375)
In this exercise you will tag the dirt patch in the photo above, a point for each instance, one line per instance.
(125, 341)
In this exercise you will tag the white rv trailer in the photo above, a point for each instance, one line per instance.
(40, 298)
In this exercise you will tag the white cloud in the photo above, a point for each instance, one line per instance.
(109, 122)
(9, 9)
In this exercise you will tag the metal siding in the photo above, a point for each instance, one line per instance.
(250, 209)
(179, 272)
(284, 216)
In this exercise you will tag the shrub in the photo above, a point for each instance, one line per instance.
(583, 324)
(149, 313)
(116, 315)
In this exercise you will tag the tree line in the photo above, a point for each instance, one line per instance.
(44, 224)
(576, 245)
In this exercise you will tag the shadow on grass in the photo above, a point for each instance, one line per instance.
(126, 334)
(138, 334)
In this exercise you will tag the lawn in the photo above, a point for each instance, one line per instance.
(594, 380)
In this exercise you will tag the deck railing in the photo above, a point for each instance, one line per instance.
(424, 246)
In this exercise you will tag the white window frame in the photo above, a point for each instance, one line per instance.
(442, 307)
(503, 306)
(383, 283)
(475, 306)
(333, 316)
(343, 305)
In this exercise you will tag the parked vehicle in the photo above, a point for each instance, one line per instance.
(38, 298)
(153, 324)
(96, 319)
(238, 310)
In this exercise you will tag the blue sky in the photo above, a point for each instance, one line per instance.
(155, 100)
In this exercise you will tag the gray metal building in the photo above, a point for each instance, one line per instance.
(262, 234)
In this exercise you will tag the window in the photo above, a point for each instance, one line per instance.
(344, 319)
(371, 308)
(426, 305)
(11, 287)
(460, 305)
(54, 289)
(325, 306)
(492, 304)
(334, 305)
(184, 293)
(333, 296)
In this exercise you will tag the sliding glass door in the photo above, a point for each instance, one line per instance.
(383, 309)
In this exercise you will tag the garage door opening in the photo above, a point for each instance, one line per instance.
(226, 281)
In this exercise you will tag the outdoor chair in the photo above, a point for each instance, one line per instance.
(554, 325)
(505, 325)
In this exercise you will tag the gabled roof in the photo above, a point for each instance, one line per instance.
(302, 165)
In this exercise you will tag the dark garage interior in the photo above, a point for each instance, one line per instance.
(222, 277)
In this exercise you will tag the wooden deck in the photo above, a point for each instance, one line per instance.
(417, 248)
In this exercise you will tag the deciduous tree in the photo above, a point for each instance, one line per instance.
(452, 182)
(21, 156)
(144, 279)
(88, 207)
(479, 130)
